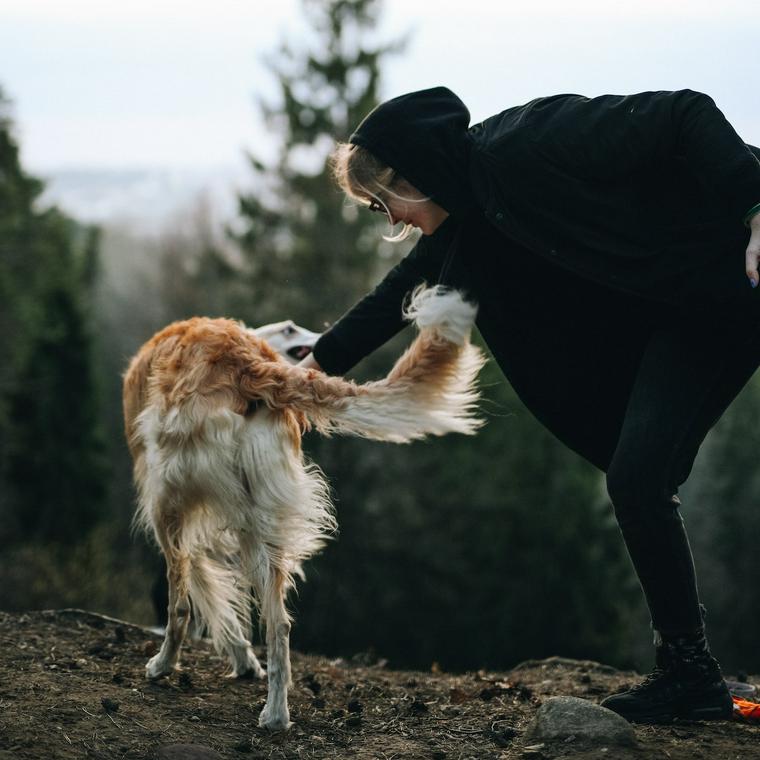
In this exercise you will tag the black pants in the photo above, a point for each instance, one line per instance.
(689, 373)
(631, 385)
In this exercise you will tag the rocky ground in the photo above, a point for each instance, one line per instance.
(72, 686)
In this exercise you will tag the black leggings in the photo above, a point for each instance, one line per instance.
(633, 387)
(689, 373)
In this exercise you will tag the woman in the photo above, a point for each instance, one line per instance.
(603, 239)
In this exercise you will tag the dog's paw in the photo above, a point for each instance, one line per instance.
(251, 673)
(245, 664)
(273, 719)
(157, 668)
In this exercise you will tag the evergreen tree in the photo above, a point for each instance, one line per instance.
(306, 249)
(18, 192)
(52, 465)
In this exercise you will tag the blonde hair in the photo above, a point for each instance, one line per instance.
(364, 178)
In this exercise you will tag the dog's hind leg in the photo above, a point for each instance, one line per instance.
(271, 592)
(220, 595)
(290, 519)
(177, 572)
(244, 662)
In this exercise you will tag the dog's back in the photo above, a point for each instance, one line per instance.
(187, 419)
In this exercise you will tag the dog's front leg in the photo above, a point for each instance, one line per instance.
(275, 716)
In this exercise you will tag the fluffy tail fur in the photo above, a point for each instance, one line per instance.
(429, 391)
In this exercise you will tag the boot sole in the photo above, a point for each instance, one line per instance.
(721, 712)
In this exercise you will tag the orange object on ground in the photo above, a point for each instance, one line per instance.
(744, 710)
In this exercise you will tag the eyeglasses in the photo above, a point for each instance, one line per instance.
(375, 205)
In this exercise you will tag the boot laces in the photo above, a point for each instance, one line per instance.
(654, 679)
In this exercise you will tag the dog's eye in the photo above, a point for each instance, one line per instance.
(288, 331)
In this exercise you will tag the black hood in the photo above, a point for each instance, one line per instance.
(423, 136)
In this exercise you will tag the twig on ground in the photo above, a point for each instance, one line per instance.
(113, 721)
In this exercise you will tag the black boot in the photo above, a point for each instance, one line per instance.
(685, 684)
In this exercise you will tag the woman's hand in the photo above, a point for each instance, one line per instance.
(753, 250)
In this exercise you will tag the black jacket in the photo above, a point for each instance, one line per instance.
(643, 195)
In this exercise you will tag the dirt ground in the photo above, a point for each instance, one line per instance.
(72, 686)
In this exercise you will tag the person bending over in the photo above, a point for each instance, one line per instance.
(612, 244)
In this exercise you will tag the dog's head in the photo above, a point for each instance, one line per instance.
(288, 339)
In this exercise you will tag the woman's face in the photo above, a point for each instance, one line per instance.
(413, 208)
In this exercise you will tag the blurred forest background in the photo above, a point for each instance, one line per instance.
(465, 552)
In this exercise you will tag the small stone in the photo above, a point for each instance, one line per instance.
(311, 683)
(355, 706)
(457, 696)
(418, 707)
(563, 717)
(109, 705)
(503, 738)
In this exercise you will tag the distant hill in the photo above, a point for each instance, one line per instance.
(145, 199)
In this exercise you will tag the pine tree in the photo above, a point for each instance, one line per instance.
(306, 249)
(52, 466)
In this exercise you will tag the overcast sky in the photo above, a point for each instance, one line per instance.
(98, 84)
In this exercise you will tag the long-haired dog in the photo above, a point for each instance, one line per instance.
(214, 418)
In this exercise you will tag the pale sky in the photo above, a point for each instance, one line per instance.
(100, 84)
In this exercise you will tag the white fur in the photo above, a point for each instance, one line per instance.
(442, 309)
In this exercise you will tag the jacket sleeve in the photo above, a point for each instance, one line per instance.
(377, 317)
(611, 136)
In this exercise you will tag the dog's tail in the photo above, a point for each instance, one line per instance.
(429, 391)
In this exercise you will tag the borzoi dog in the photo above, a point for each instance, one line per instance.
(214, 418)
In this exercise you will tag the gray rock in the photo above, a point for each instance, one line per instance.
(187, 752)
(561, 717)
